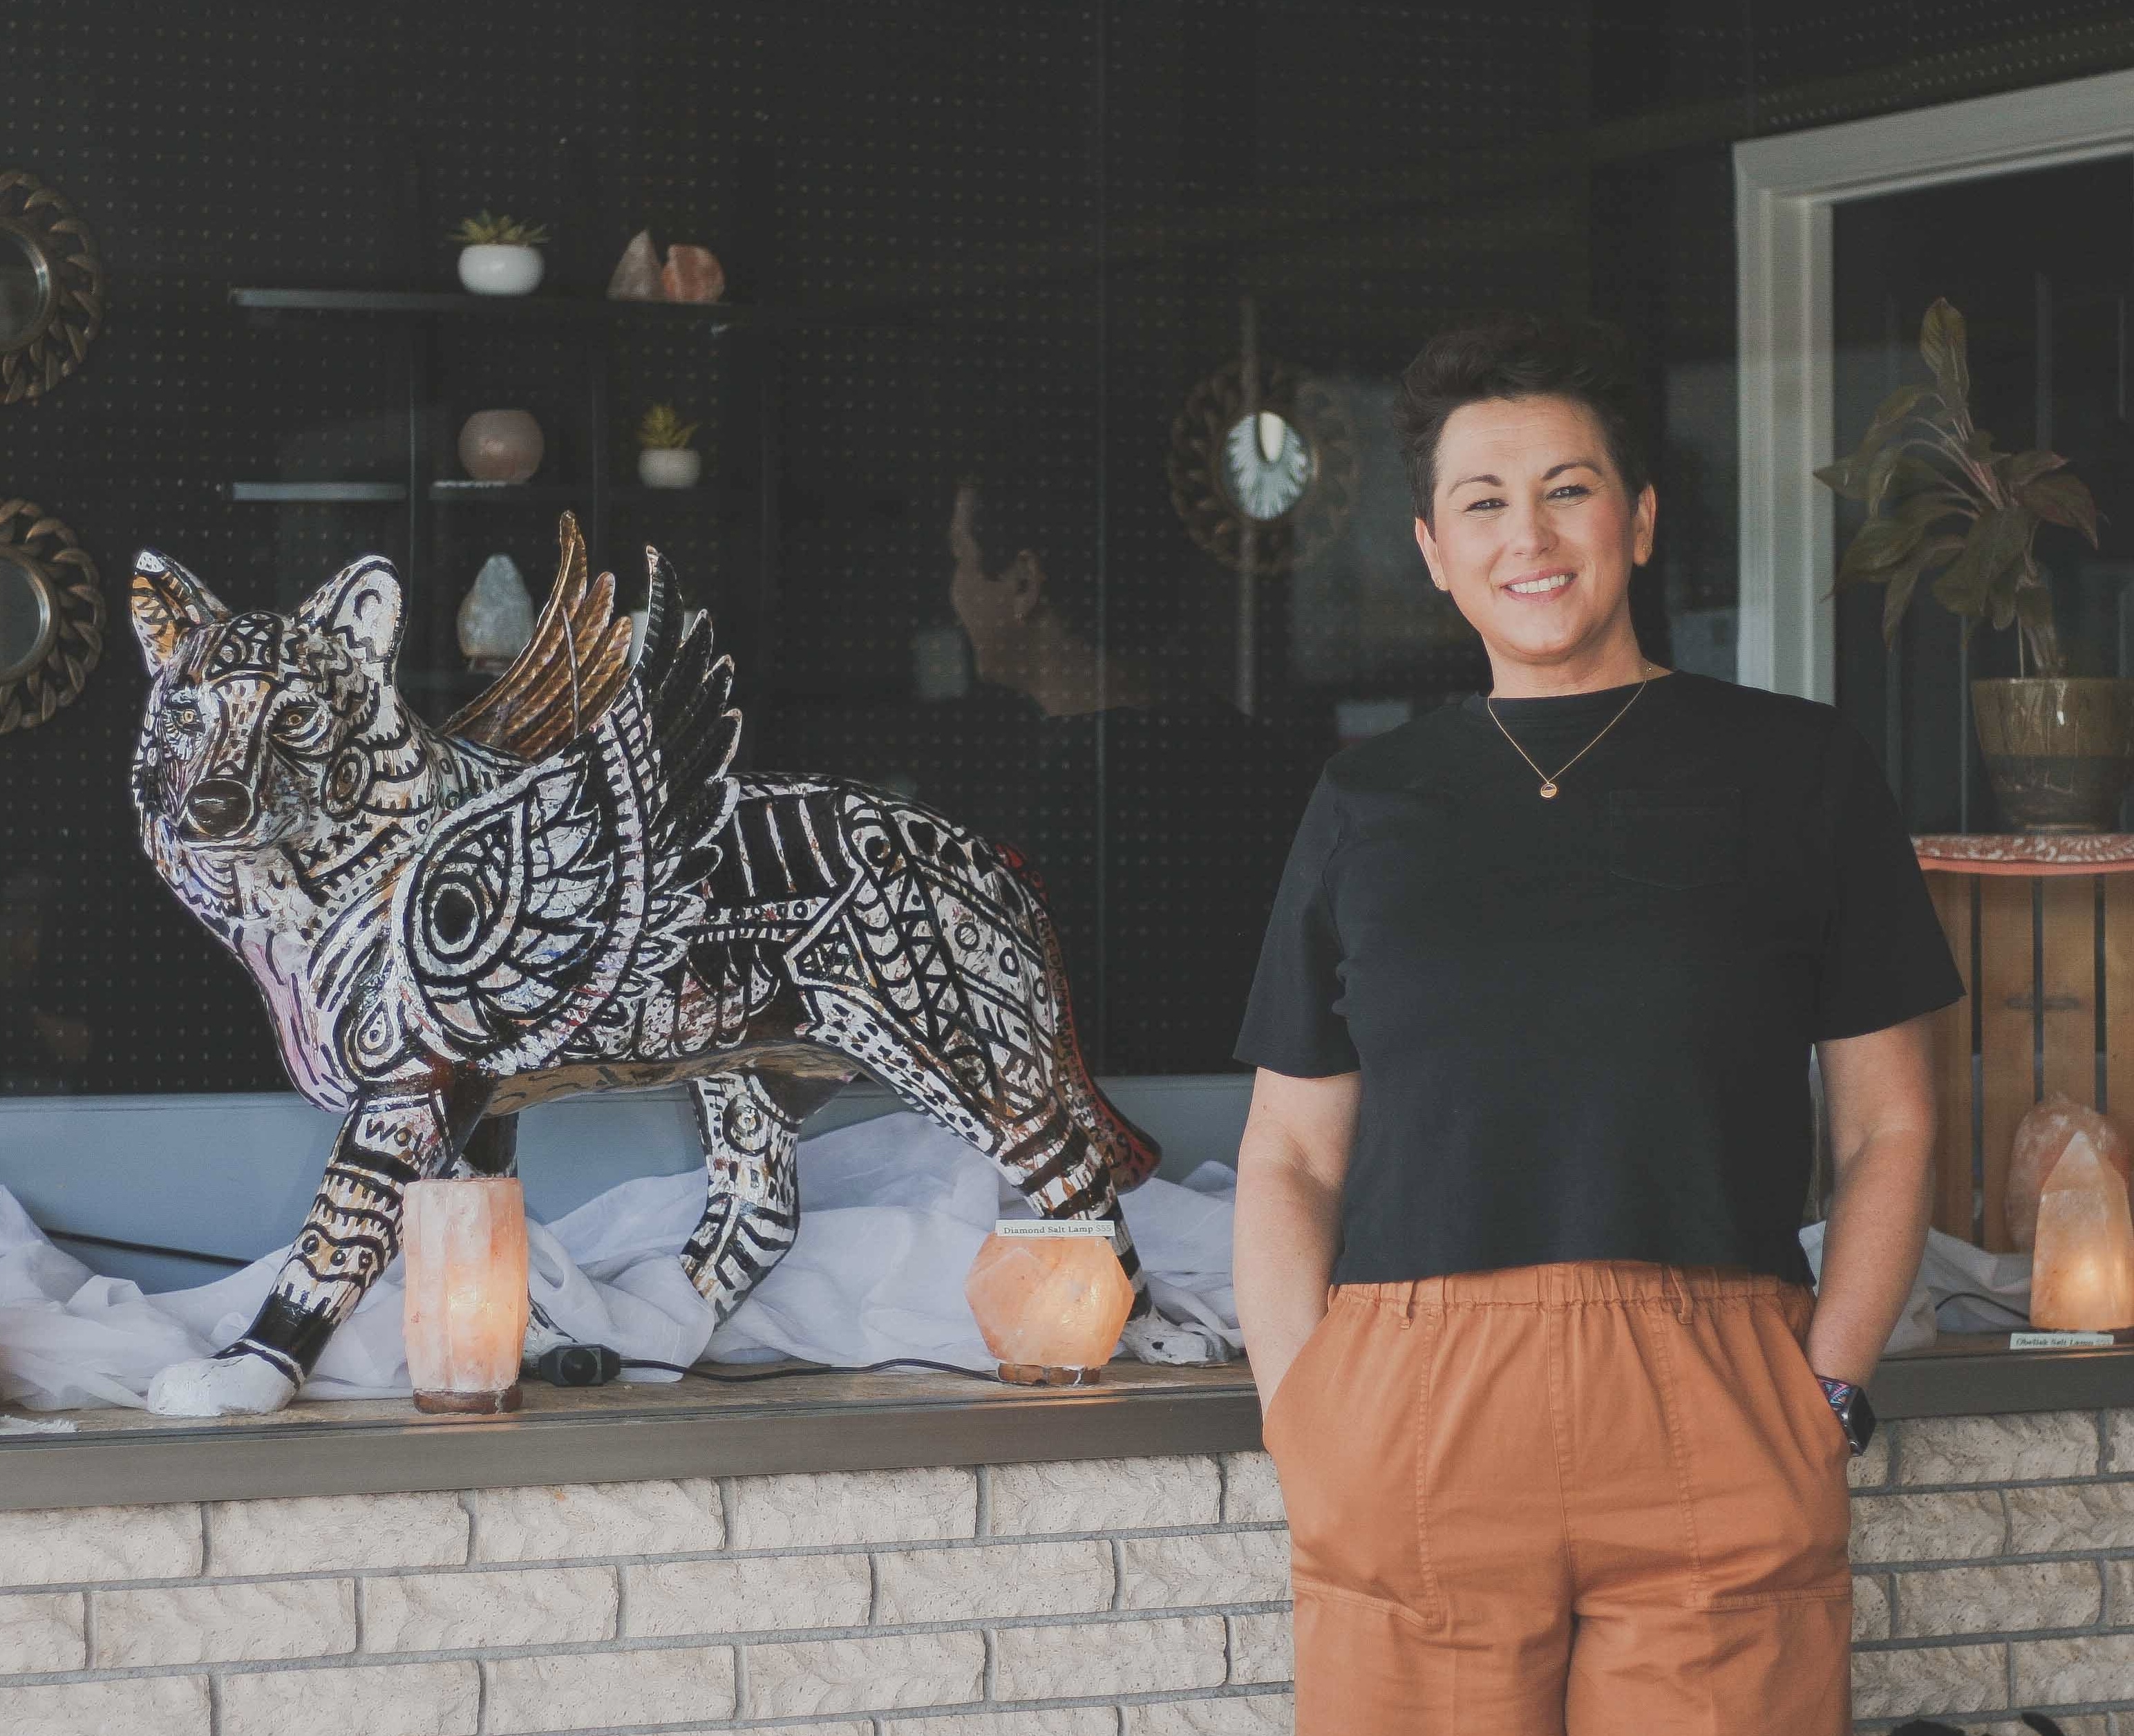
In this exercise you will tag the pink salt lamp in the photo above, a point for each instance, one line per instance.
(1051, 1299)
(2041, 1137)
(692, 274)
(2082, 1274)
(464, 1246)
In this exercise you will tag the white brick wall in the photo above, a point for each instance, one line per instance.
(1994, 1564)
(1076, 1599)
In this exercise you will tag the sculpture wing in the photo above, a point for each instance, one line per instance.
(554, 900)
(570, 672)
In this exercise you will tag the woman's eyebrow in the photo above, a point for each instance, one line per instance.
(1553, 471)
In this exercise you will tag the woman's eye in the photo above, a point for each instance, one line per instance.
(1476, 506)
(1573, 489)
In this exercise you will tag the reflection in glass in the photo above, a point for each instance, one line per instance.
(24, 286)
(26, 620)
(1266, 466)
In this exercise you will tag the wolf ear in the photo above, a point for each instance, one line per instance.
(360, 605)
(168, 603)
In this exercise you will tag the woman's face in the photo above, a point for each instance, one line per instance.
(1531, 531)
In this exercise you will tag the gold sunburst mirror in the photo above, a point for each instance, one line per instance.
(51, 287)
(1281, 459)
(51, 616)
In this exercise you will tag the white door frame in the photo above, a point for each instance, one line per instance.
(1784, 190)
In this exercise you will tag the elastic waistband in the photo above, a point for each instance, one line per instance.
(1570, 1283)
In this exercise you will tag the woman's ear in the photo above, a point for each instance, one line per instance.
(1027, 573)
(1428, 544)
(1642, 519)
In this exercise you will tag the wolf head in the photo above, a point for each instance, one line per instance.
(258, 725)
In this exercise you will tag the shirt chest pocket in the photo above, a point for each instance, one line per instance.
(1677, 838)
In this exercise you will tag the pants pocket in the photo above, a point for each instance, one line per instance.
(1345, 1430)
(1764, 1457)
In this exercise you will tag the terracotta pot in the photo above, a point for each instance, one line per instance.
(674, 467)
(489, 268)
(501, 445)
(2059, 749)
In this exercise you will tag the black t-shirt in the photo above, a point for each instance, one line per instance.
(1583, 1023)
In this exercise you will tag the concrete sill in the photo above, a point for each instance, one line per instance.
(831, 1422)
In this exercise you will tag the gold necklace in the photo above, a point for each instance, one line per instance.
(1548, 785)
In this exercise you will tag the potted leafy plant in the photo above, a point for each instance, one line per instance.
(665, 459)
(499, 256)
(1941, 501)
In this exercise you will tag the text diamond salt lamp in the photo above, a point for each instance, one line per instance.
(464, 1246)
(1051, 1298)
(2082, 1273)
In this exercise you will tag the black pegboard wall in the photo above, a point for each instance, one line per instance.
(1060, 201)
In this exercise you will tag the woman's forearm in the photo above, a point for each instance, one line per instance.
(1287, 1230)
(1871, 1252)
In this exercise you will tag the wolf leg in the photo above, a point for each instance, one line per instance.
(749, 1123)
(392, 1137)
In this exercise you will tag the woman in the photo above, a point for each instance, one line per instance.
(1560, 1426)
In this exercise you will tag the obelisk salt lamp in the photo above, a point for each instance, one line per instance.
(2082, 1272)
(464, 1245)
(1051, 1299)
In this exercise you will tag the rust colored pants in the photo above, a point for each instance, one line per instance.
(1596, 1499)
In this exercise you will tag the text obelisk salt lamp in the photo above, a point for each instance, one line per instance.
(464, 1243)
(2082, 1272)
(1051, 1299)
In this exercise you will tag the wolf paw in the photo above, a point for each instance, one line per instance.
(1151, 1339)
(226, 1386)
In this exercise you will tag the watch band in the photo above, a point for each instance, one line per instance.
(1855, 1414)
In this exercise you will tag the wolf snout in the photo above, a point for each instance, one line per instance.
(218, 808)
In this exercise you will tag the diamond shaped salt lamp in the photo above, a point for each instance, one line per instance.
(2082, 1272)
(1051, 1299)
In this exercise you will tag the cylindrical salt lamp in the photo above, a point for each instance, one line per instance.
(1051, 1298)
(2082, 1272)
(464, 1246)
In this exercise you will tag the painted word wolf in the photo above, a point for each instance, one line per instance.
(568, 889)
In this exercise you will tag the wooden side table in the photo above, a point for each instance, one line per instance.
(2042, 928)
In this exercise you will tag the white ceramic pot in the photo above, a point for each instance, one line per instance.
(669, 467)
(488, 269)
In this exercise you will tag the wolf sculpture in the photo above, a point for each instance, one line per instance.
(568, 889)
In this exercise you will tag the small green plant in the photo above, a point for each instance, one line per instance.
(484, 230)
(664, 431)
(1941, 500)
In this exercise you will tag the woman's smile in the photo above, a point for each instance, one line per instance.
(1539, 586)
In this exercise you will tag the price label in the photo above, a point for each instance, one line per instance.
(2057, 1340)
(1052, 1229)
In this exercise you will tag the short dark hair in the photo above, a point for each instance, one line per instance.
(1521, 355)
(1009, 515)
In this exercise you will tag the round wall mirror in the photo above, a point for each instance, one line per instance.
(26, 290)
(1279, 461)
(51, 616)
(51, 288)
(29, 622)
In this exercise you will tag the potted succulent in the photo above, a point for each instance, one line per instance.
(1941, 501)
(499, 256)
(665, 459)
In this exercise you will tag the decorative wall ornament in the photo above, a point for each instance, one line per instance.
(51, 616)
(51, 287)
(568, 888)
(1280, 459)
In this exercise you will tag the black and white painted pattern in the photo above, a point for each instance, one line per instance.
(445, 933)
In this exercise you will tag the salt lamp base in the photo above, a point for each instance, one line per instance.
(1040, 1374)
(471, 1404)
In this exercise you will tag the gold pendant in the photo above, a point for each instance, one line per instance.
(1548, 789)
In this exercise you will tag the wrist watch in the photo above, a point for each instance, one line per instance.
(1855, 1414)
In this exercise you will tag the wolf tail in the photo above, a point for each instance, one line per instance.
(1129, 1152)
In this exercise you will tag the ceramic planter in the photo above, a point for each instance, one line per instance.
(2059, 749)
(489, 268)
(673, 467)
(501, 445)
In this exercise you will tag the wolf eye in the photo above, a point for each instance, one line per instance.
(295, 718)
(181, 716)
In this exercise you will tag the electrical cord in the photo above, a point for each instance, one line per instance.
(781, 1374)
